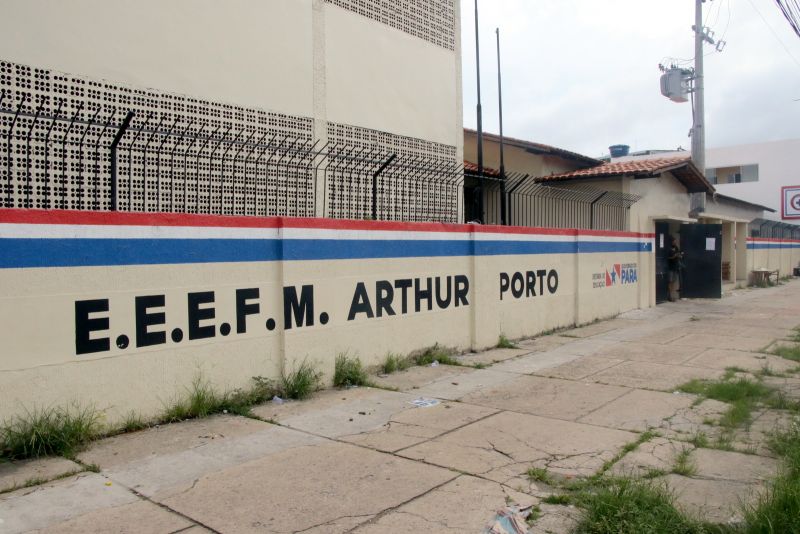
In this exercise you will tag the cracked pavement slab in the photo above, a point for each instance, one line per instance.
(462, 505)
(410, 427)
(331, 487)
(17, 474)
(656, 376)
(579, 368)
(550, 397)
(750, 361)
(503, 446)
(650, 352)
(638, 410)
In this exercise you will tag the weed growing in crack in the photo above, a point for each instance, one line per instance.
(349, 372)
(504, 343)
(301, 382)
(699, 440)
(48, 431)
(394, 363)
(436, 353)
(741, 394)
(788, 352)
(558, 498)
(540, 474)
(202, 400)
(684, 465)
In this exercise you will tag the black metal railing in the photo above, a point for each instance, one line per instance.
(63, 156)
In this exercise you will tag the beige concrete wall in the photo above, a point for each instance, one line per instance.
(41, 295)
(773, 254)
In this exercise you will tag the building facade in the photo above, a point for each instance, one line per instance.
(286, 107)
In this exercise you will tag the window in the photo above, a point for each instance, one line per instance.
(733, 174)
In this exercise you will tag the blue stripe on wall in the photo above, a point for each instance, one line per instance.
(76, 252)
(752, 246)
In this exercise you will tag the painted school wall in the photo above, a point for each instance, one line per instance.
(772, 254)
(124, 310)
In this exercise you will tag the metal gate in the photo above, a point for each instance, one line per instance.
(702, 259)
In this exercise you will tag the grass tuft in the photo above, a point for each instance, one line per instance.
(301, 382)
(788, 352)
(202, 400)
(349, 372)
(504, 343)
(48, 432)
(630, 506)
(539, 474)
(561, 498)
(436, 353)
(684, 465)
(394, 363)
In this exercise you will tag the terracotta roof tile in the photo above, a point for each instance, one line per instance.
(473, 168)
(681, 166)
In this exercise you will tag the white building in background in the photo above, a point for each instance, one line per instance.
(756, 172)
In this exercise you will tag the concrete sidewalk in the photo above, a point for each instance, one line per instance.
(367, 460)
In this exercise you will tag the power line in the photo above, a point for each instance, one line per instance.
(791, 13)
(774, 34)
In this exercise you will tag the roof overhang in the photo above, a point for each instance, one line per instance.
(673, 218)
(719, 216)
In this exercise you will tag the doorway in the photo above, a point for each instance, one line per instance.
(702, 259)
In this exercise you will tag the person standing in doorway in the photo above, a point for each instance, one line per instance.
(674, 267)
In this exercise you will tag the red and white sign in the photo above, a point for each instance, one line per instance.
(790, 205)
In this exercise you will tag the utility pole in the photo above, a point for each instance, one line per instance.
(479, 199)
(503, 220)
(698, 128)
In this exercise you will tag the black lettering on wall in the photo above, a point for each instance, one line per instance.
(403, 284)
(197, 314)
(517, 285)
(84, 326)
(384, 295)
(360, 303)
(302, 310)
(423, 294)
(244, 308)
(552, 281)
(145, 319)
(462, 289)
(444, 302)
(530, 284)
(505, 283)
(541, 273)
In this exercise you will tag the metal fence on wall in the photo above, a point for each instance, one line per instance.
(66, 155)
(774, 229)
(529, 203)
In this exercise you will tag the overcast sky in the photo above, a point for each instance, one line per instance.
(583, 74)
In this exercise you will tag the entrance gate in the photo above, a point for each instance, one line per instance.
(702, 259)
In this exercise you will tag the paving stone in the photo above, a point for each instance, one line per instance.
(652, 375)
(650, 352)
(167, 439)
(489, 357)
(170, 461)
(456, 388)
(638, 410)
(133, 518)
(544, 343)
(658, 454)
(466, 504)
(550, 397)
(17, 474)
(556, 519)
(736, 328)
(594, 329)
(735, 466)
(584, 347)
(789, 386)
(579, 368)
(715, 501)
(352, 411)
(55, 502)
(665, 335)
(418, 376)
(750, 361)
(410, 427)
(693, 420)
(505, 445)
(755, 438)
(536, 362)
(348, 484)
(713, 341)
